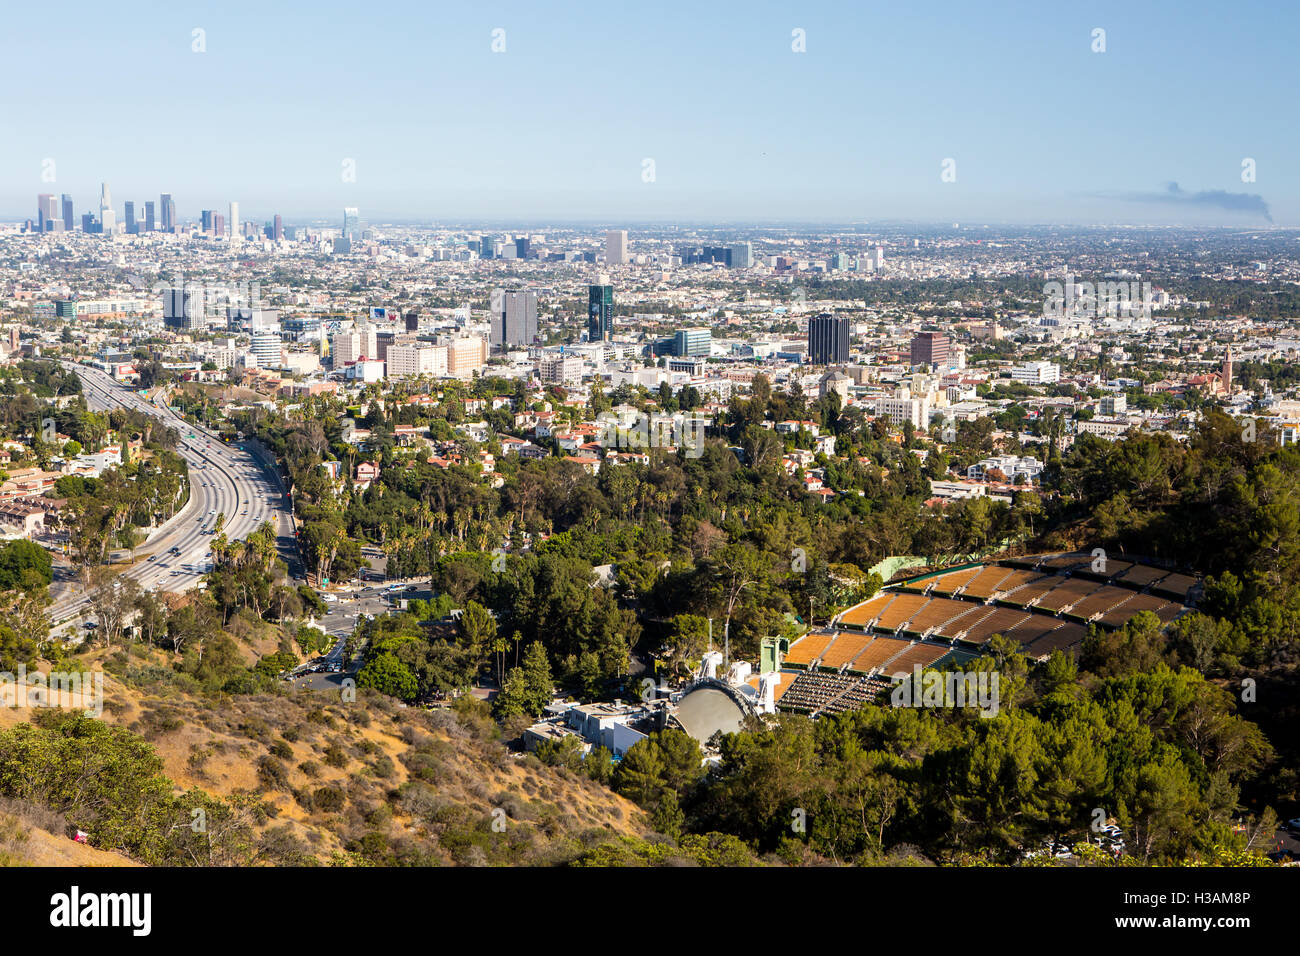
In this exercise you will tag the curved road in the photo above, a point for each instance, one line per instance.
(224, 479)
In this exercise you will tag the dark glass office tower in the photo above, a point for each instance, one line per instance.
(131, 227)
(148, 217)
(600, 313)
(828, 339)
(167, 209)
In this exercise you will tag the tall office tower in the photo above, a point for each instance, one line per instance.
(616, 247)
(742, 255)
(514, 319)
(412, 321)
(695, 342)
(89, 224)
(828, 339)
(600, 313)
(878, 258)
(45, 212)
(278, 229)
(167, 210)
(351, 222)
(205, 220)
(929, 348)
(487, 248)
(131, 228)
(68, 218)
(183, 310)
(521, 247)
(148, 217)
(266, 349)
(234, 220)
(107, 218)
(218, 225)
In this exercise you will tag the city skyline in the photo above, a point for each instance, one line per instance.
(1040, 125)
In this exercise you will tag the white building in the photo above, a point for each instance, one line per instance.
(410, 360)
(266, 349)
(557, 369)
(1036, 373)
(349, 347)
(903, 407)
(616, 247)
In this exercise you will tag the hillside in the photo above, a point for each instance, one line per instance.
(313, 779)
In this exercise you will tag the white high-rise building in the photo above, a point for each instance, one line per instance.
(107, 218)
(616, 247)
(266, 348)
(878, 258)
(233, 224)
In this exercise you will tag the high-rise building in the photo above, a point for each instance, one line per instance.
(828, 339)
(218, 225)
(514, 319)
(279, 229)
(183, 310)
(616, 247)
(234, 220)
(89, 224)
(205, 220)
(521, 247)
(929, 348)
(149, 222)
(68, 219)
(878, 258)
(266, 349)
(742, 255)
(354, 346)
(131, 228)
(351, 222)
(167, 211)
(600, 313)
(107, 218)
(46, 212)
(693, 342)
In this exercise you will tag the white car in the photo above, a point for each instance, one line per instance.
(328, 598)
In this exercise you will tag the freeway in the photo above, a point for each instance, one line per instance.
(224, 479)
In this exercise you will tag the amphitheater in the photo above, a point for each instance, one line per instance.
(947, 617)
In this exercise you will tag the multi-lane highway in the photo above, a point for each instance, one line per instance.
(224, 479)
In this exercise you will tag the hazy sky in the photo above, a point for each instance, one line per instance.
(738, 125)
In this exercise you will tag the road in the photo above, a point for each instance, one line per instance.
(224, 479)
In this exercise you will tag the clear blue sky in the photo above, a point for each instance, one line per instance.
(739, 127)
